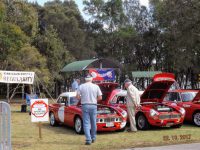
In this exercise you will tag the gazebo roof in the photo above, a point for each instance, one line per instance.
(89, 64)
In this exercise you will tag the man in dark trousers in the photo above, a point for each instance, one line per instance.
(89, 94)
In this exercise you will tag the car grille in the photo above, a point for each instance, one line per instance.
(106, 120)
(168, 116)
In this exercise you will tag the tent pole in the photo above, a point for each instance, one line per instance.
(8, 89)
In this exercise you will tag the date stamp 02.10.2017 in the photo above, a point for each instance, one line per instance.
(183, 137)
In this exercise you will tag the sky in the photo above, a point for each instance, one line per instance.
(80, 5)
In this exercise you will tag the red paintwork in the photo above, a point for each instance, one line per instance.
(70, 112)
(151, 98)
(190, 106)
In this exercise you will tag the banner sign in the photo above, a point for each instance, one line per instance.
(101, 74)
(17, 77)
(39, 110)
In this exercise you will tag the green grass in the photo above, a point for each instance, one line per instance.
(25, 136)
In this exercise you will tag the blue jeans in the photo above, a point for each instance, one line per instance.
(89, 121)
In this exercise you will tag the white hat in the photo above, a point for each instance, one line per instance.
(88, 78)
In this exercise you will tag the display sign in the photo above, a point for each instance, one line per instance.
(39, 110)
(101, 74)
(17, 77)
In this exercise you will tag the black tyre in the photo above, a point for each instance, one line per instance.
(196, 118)
(141, 122)
(78, 125)
(52, 119)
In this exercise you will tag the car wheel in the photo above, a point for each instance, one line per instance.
(53, 121)
(142, 123)
(196, 119)
(78, 125)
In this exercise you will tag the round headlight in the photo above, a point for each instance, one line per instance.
(124, 113)
(153, 113)
(182, 111)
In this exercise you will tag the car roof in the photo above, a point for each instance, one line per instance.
(70, 94)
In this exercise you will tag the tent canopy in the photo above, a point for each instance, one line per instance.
(144, 74)
(89, 64)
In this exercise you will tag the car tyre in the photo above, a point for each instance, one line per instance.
(78, 125)
(196, 119)
(52, 119)
(141, 122)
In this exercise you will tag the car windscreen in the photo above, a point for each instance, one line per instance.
(119, 100)
(188, 96)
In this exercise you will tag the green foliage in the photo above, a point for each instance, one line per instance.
(11, 38)
(24, 15)
(2, 11)
(28, 58)
(53, 49)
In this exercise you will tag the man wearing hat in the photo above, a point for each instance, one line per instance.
(89, 94)
(133, 101)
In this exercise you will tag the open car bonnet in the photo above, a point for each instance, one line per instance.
(157, 90)
(107, 88)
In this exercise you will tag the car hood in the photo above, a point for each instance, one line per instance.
(197, 97)
(157, 90)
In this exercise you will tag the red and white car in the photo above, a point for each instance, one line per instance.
(189, 100)
(152, 111)
(67, 110)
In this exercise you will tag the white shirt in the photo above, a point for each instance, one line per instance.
(133, 97)
(89, 93)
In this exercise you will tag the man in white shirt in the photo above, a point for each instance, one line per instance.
(133, 101)
(89, 94)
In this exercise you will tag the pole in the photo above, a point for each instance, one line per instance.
(8, 90)
(23, 92)
(40, 130)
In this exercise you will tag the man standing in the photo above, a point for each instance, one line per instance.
(133, 101)
(89, 94)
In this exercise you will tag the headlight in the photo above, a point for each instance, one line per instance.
(153, 113)
(124, 113)
(182, 111)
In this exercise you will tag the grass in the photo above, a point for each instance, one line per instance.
(25, 136)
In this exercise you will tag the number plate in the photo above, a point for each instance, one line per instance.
(109, 124)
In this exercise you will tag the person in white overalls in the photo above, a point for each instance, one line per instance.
(133, 101)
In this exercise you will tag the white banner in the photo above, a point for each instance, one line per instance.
(39, 110)
(17, 77)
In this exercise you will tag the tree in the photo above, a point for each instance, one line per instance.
(51, 47)
(66, 19)
(24, 15)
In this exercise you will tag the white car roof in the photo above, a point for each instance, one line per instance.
(68, 94)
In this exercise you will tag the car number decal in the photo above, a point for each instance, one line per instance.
(61, 113)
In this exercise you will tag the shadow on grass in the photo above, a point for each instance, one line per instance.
(62, 129)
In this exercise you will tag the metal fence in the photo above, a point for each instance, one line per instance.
(5, 122)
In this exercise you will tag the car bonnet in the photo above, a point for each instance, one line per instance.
(157, 90)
